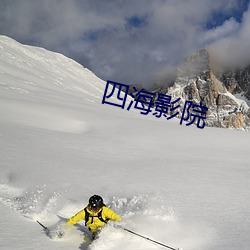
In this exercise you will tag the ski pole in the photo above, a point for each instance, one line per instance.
(146, 238)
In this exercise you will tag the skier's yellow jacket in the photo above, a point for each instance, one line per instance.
(94, 223)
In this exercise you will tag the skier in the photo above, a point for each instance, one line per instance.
(95, 214)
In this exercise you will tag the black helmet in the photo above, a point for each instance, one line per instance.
(95, 202)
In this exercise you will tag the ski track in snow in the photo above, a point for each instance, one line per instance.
(145, 214)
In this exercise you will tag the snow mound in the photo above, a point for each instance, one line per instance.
(30, 71)
(42, 116)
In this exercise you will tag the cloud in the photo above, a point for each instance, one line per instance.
(126, 41)
(228, 28)
(233, 49)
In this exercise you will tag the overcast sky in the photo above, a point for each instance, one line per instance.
(131, 41)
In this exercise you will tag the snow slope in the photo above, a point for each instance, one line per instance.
(183, 186)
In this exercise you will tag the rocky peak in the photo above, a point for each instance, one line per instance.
(197, 64)
(197, 82)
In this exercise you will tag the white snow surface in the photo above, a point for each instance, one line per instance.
(182, 186)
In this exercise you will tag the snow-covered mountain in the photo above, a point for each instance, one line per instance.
(176, 184)
(224, 94)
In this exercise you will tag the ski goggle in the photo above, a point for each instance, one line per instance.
(94, 208)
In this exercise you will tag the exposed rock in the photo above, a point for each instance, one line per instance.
(133, 88)
(197, 82)
(237, 81)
